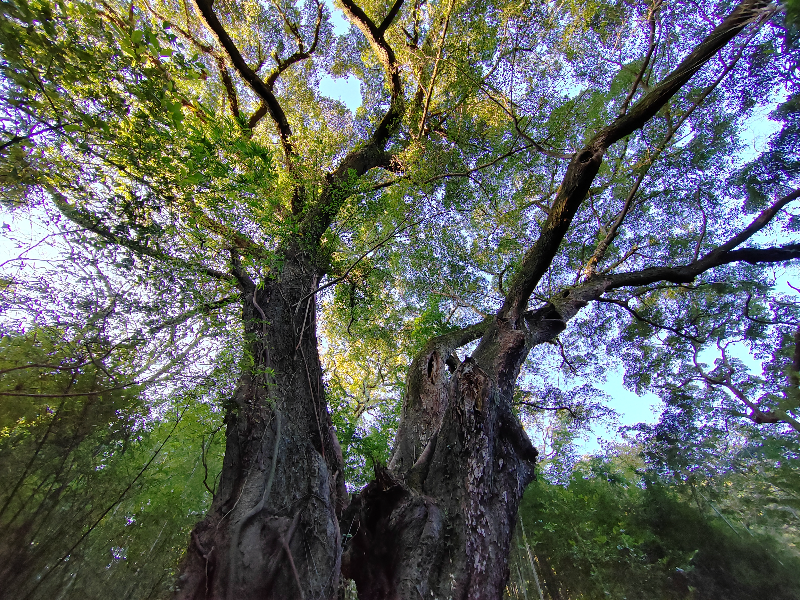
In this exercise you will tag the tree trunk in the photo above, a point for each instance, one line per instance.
(438, 522)
(273, 527)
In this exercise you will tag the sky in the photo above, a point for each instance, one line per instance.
(345, 89)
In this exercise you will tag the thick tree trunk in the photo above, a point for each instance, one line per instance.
(273, 528)
(438, 522)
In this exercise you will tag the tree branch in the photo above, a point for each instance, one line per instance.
(722, 255)
(585, 164)
(602, 247)
(375, 36)
(256, 117)
(467, 173)
(537, 406)
(202, 309)
(230, 88)
(757, 225)
(639, 317)
(651, 45)
(301, 53)
(756, 415)
(341, 182)
(225, 76)
(92, 223)
(672, 130)
(549, 320)
(646, 107)
(429, 94)
(349, 269)
(390, 16)
(251, 77)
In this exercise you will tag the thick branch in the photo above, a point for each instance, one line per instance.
(453, 340)
(585, 164)
(722, 255)
(283, 64)
(757, 225)
(688, 273)
(375, 36)
(341, 183)
(647, 106)
(398, 4)
(565, 306)
(246, 284)
(673, 129)
(253, 80)
(259, 114)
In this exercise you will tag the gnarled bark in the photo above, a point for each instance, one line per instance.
(442, 527)
(273, 529)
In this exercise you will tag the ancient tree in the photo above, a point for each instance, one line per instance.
(574, 157)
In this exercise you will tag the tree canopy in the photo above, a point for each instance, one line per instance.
(613, 181)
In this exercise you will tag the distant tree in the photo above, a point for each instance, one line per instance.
(610, 534)
(84, 477)
(558, 184)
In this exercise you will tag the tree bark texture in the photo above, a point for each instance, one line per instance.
(440, 525)
(273, 528)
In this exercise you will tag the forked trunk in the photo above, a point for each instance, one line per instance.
(273, 528)
(437, 523)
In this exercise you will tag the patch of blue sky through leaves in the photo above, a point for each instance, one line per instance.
(345, 89)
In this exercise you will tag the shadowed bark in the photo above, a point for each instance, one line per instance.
(273, 530)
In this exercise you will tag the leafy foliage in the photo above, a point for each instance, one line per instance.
(99, 492)
(127, 132)
(608, 533)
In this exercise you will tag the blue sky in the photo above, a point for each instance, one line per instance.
(345, 89)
